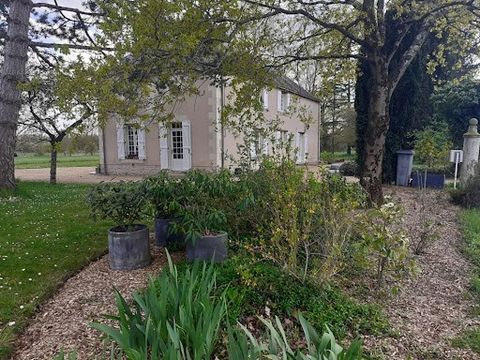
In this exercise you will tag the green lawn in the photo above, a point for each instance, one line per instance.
(46, 234)
(32, 161)
(471, 227)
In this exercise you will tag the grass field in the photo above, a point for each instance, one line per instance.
(471, 226)
(33, 161)
(46, 234)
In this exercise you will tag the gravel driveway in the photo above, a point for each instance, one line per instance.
(69, 175)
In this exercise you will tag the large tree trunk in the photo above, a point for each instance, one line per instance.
(13, 72)
(53, 164)
(377, 128)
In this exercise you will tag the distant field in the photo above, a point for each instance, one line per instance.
(33, 161)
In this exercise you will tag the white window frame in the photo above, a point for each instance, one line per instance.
(132, 148)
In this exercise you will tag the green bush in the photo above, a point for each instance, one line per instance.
(212, 203)
(469, 195)
(327, 157)
(252, 286)
(298, 221)
(382, 248)
(164, 195)
(432, 146)
(123, 202)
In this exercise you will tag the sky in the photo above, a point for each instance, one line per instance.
(70, 3)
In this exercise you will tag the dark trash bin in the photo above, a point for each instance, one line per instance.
(404, 167)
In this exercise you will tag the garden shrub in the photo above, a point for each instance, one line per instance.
(123, 202)
(349, 168)
(382, 248)
(327, 157)
(300, 222)
(469, 195)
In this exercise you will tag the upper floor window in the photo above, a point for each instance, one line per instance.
(283, 101)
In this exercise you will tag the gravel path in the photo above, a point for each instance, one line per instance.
(434, 307)
(63, 321)
(69, 175)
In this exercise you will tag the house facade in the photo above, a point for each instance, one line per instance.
(194, 139)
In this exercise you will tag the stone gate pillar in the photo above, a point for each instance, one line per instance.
(471, 149)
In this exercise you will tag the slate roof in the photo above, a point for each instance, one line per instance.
(284, 83)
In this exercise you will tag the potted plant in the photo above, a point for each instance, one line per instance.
(124, 203)
(203, 221)
(432, 146)
(165, 197)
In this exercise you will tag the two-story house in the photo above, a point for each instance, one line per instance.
(194, 139)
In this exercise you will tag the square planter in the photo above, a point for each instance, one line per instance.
(434, 180)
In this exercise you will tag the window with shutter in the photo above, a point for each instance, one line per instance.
(131, 141)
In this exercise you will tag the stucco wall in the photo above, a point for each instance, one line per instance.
(290, 122)
(199, 110)
(203, 112)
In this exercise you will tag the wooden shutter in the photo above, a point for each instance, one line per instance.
(305, 147)
(265, 99)
(187, 144)
(279, 100)
(141, 144)
(163, 134)
(120, 141)
(297, 147)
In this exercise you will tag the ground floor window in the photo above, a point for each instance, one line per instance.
(131, 142)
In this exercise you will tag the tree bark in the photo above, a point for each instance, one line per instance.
(377, 128)
(13, 72)
(53, 164)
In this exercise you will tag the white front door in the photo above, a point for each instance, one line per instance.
(179, 144)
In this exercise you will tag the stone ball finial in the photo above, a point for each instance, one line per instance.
(472, 127)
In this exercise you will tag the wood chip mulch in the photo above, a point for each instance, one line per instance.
(430, 310)
(63, 321)
(435, 306)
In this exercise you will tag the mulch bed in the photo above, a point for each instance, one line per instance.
(429, 311)
(435, 306)
(63, 321)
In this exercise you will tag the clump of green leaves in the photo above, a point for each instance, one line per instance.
(164, 195)
(182, 313)
(123, 202)
(251, 286)
(300, 220)
(177, 317)
(212, 203)
(432, 146)
(243, 345)
(383, 248)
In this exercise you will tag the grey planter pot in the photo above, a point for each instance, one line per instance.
(163, 237)
(129, 250)
(207, 248)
